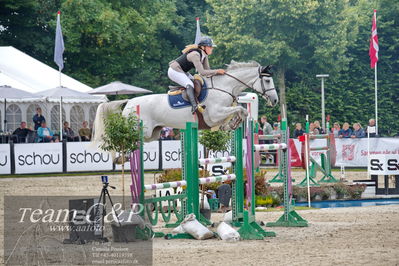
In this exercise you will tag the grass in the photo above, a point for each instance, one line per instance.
(280, 209)
(70, 174)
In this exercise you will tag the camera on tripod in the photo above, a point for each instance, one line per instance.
(104, 179)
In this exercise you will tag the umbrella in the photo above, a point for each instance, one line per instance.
(117, 88)
(8, 92)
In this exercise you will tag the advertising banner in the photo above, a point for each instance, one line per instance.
(151, 157)
(81, 156)
(384, 164)
(5, 159)
(38, 158)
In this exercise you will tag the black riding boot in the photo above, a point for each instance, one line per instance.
(191, 97)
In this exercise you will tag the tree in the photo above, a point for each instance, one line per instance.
(121, 134)
(294, 36)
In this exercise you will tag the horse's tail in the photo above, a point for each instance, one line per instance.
(102, 111)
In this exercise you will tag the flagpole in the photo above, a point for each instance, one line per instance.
(376, 99)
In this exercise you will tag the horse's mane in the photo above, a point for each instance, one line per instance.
(236, 65)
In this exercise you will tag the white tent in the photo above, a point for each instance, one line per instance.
(22, 71)
(32, 73)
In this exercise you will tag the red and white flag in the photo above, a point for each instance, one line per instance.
(198, 32)
(373, 52)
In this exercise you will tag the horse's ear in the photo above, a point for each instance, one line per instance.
(267, 70)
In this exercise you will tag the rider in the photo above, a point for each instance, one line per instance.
(193, 56)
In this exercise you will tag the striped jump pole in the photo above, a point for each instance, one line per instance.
(217, 160)
(182, 183)
(270, 147)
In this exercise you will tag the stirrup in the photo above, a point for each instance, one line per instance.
(201, 108)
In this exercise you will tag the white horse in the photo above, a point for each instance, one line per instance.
(156, 113)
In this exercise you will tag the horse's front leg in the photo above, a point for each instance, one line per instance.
(218, 115)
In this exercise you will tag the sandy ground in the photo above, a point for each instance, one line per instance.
(344, 236)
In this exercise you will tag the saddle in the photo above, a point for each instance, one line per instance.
(199, 84)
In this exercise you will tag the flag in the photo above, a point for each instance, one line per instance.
(59, 44)
(373, 52)
(198, 32)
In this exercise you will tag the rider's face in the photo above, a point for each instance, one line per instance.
(208, 50)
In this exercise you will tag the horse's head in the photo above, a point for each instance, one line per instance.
(264, 85)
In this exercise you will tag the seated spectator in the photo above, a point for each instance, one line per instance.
(45, 134)
(38, 118)
(68, 134)
(21, 134)
(345, 132)
(298, 130)
(85, 132)
(335, 130)
(358, 131)
(371, 124)
(318, 127)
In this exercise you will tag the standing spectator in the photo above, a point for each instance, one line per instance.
(267, 128)
(276, 129)
(345, 132)
(371, 124)
(298, 130)
(68, 133)
(85, 132)
(335, 130)
(45, 134)
(318, 127)
(38, 118)
(20, 134)
(313, 130)
(358, 131)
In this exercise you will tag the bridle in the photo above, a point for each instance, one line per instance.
(261, 76)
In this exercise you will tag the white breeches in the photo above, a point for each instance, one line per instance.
(181, 78)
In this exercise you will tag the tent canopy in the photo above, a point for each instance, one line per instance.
(69, 96)
(117, 87)
(32, 73)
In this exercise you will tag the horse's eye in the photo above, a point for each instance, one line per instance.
(267, 80)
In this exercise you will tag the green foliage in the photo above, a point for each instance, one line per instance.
(121, 133)
(355, 191)
(268, 201)
(215, 140)
(117, 40)
(170, 175)
(341, 189)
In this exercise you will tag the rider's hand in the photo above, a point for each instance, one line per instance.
(220, 71)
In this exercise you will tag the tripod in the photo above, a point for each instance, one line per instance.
(102, 200)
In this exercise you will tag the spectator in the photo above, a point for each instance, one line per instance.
(38, 118)
(45, 134)
(266, 127)
(345, 132)
(318, 127)
(166, 133)
(358, 131)
(276, 129)
(298, 130)
(313, 130)
(335, 130)
(68, 134)
(371, 124)
(85, 132)
(21, 134)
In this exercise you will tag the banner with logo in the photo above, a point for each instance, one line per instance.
(151, 157)
(38, 158)
(5, 159)
(354, 152)
(81, 156)
(384, 164)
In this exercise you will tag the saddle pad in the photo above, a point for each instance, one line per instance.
(177, 101)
